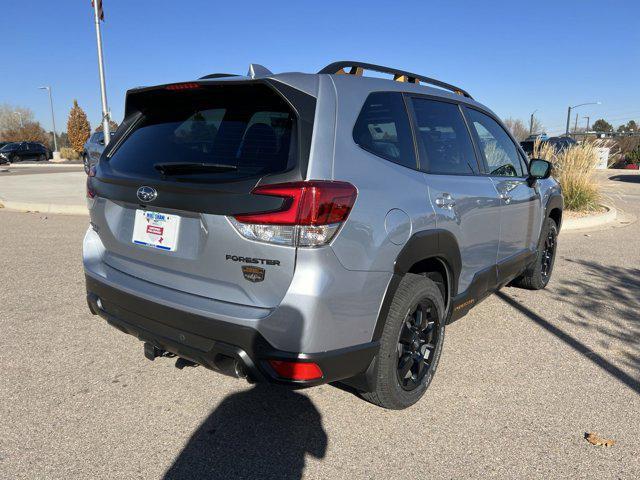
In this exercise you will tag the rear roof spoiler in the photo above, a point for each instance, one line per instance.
(357, 68)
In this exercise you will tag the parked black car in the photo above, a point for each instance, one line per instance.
(19, 151)
(558, 143)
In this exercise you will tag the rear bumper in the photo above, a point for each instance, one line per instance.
(215, 343)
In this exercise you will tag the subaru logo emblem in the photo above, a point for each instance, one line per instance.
(147, 194)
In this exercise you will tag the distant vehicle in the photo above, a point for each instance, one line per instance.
(93, 149)
(558, 143)
(20, 151)
(533, 138)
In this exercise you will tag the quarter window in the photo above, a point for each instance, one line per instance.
(445, 143)
(383, 128)
(500, 153)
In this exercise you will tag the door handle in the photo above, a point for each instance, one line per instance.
(445, 201)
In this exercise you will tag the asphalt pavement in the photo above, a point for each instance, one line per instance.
(522, 378)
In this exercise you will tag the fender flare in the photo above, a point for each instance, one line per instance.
(435, 243)
(555, 200)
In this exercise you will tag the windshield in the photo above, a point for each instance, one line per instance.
(8, 146)
(247, 129)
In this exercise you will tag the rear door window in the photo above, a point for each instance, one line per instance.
(443, 138)
(247, 132)
(383, 128)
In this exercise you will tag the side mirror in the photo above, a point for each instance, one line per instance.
(539, 170)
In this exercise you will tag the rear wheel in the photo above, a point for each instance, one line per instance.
(537, 276)
(410, 345)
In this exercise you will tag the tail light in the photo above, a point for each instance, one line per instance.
(311, 213)
(91, 193)
(296, 370)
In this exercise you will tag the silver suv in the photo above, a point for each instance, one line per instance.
(311, 228)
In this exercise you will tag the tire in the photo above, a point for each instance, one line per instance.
(15, 159)
(399, 340)
(85, 162)
(538, 274)
(42, 157)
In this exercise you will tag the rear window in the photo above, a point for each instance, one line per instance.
(383, 128)
(247, 130)
(444, 139)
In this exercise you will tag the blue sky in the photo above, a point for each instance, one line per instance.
(513, 56)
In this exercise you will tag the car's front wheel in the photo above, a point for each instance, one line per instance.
(15, 158)
(410, 345)
(42, 157)
(85, 162)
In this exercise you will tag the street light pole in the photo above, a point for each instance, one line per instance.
(569, 113)
(103, 87)
(575, 125)
(531, 122)
(588, 118)
(53, 118)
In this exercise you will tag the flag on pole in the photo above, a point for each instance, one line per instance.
(100, 11)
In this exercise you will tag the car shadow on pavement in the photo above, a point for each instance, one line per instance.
(603, 299)
(626, 178)
(264, 432)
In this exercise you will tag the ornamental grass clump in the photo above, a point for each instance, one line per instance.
(574, 169)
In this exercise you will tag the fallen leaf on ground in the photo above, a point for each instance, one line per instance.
(594, 439)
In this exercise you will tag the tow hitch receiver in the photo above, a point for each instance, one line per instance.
(151, 351)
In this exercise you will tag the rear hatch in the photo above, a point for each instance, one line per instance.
(186, 158)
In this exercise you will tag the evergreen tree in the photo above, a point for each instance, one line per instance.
(78, 128)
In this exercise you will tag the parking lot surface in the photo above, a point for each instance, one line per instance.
(522, 378)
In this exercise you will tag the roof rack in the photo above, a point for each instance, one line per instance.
(357, 68)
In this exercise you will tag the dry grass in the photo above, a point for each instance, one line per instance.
(69, 153)
(574, 169)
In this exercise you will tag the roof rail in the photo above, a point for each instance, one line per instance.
(357, 68)
(218, 75)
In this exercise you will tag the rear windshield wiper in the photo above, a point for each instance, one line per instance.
(177, 168)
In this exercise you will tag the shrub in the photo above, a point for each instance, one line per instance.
(633, 157)
(574, 169)
(69, 153)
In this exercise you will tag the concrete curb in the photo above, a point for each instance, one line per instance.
(42, 164)
(44, 208)
(591, 221)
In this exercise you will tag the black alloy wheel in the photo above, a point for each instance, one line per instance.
(417, 343)
(547, 254)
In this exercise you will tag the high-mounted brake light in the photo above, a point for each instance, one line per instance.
(182, 86)
(310, 215)
(296, 370)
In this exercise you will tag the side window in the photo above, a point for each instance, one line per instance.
(383, 128)
(445, 143)
(500, 154)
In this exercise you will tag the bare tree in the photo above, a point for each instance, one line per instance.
(13, 117)
(517, 128)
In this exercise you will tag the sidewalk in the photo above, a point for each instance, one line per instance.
(62, 193)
